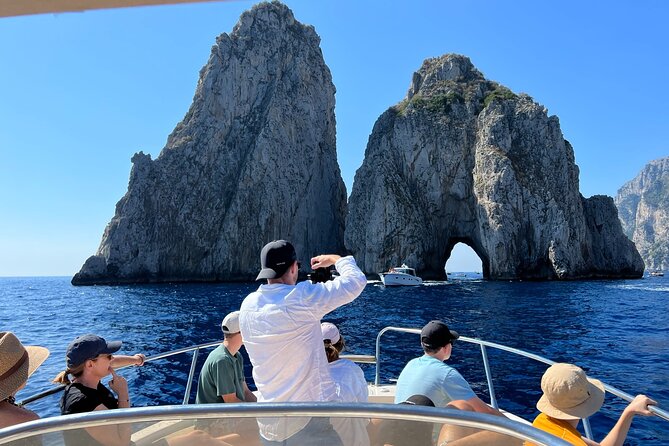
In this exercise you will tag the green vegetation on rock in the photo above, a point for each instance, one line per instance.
(438, 103)
(501, 93)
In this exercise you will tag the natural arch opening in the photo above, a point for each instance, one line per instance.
(462, 257)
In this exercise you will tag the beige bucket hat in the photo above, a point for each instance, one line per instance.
(569, 394)
(17, 363)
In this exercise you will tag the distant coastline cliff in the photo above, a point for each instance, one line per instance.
(643, 206)
(253, 160)
(464, 159)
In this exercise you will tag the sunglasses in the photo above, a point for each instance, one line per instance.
(108, 356)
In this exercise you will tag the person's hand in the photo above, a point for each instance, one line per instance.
(639, 405)
(119, 385)
(324, 260)
(140, 359)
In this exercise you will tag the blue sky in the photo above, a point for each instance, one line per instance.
(80, 93)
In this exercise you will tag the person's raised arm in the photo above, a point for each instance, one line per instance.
(324, 261)
(638, 406)
(326, 297)
(123, 360)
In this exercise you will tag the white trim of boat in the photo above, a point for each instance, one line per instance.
(191, 413)
(400, 276)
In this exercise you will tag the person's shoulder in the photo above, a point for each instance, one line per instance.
(74, 390)
(348, 364)
(75, 399)
(415, 362)
(218, 355)
(16, 415)
(250, 301)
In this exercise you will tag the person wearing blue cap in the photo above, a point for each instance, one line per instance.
(89, 359)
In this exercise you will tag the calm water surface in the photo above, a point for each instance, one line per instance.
(618, 331)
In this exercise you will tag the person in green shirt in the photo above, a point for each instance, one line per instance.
(222, 381)
(222, 376)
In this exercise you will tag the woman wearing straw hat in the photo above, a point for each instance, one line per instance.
(17, 363)
(570, 395)
(89, 359)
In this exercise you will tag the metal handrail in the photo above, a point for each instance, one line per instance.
(376, 360)
(366, 359)
(194, 348)
(475, 420)
(663, 414)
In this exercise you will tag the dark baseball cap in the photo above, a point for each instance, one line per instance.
(87, 347)
(436, 334)
(418, 400)
(275, 259)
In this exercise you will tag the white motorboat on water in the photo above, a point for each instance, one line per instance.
(151, 425)
(399, 276)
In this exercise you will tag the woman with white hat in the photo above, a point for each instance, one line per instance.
(569, 395)
(17, 363)
(350, 384)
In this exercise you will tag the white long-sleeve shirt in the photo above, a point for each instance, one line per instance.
(280, 326)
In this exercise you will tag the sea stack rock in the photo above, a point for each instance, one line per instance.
(253, 160)
(464, 159)
(643, 207)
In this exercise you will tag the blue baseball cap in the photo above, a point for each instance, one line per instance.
(87, 347)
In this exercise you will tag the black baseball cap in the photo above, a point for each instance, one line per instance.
(418, 400)
(436, 334)
(275, 259)
(87, 347)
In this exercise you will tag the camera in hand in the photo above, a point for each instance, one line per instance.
(320, 275)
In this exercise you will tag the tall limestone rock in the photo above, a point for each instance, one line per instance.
(253, 160)
(464, 159)
(643, 207)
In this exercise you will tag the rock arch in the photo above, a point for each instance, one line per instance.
(462, 158)
(476, 247)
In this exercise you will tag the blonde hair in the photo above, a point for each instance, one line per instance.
(332, 351)
(63, 377)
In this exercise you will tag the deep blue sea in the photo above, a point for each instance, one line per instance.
(618, 331)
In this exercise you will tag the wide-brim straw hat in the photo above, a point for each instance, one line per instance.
(17, 363)
(569, 394)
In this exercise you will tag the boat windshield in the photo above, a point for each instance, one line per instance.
(222, 423)
(409, 271)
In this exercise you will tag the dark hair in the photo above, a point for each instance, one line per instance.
(432, 350)
(333, 350)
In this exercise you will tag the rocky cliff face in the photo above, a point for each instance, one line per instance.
(464, 159)
(643, 207)
(253, 160)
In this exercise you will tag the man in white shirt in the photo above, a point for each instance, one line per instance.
(280, 324)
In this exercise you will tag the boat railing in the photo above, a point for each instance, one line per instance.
(195, 349)
(663, 414)
(141, 415)
(378, 362)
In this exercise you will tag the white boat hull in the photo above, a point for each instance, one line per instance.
(399, 279)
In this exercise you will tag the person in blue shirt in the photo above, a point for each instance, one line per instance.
(430, 376)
